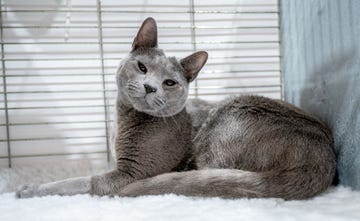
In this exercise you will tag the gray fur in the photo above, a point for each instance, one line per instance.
(252, 146)
(245, 146)
(70, 186)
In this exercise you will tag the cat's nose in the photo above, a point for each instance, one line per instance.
(149, 89)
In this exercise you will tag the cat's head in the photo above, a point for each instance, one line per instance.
(151, 82)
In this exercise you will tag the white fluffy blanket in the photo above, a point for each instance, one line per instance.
(338, 203)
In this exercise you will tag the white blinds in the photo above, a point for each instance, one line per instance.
(58, 60)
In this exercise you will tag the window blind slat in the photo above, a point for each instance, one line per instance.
(60, 58)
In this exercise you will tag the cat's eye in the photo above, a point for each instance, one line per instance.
(169, 82)
(142, 67)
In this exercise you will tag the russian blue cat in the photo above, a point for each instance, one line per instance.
(244, 146)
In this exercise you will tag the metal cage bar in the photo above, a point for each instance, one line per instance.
(5, 90)
(106, 106)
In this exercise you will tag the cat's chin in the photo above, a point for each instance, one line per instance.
(158, 112)
(153, 105)
(148, 107)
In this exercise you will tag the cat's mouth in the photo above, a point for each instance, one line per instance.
(146, 102)
(155, 101)
(154, 105)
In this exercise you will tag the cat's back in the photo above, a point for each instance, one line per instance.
(262, 134)
(265, 110)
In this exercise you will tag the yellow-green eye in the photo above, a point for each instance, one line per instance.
(142, 67)
(169, 82)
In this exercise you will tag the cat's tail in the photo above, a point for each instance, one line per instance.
(231, 183)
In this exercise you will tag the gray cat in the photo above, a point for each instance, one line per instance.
(246, 146)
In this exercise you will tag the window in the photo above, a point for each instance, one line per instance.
(58, 62)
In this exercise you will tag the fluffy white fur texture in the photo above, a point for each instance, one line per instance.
(338, 203)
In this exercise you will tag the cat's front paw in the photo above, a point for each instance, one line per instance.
(27, 191)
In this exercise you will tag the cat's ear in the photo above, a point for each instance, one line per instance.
(193, 64)
(146, 36)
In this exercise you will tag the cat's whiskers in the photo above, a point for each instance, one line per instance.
(163, 115)
(171, 117)
(159, 103)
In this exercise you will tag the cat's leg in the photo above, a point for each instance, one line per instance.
(104, 184)
(110, 183)
(72, 186)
